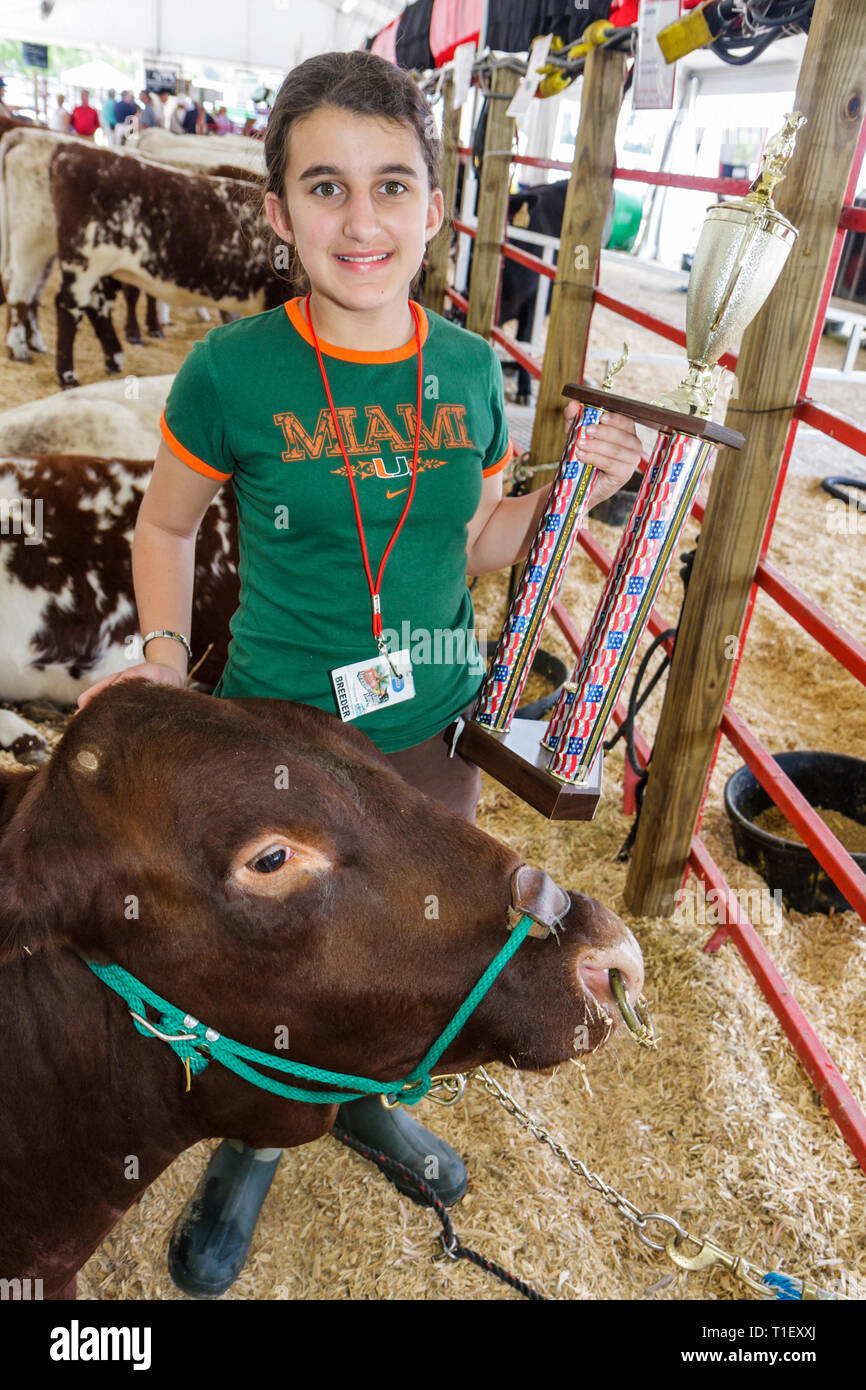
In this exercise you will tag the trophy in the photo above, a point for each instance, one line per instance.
(557, 767)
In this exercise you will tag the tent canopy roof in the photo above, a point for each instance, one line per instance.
(97, 75)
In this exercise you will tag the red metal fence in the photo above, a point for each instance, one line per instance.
(836, 641)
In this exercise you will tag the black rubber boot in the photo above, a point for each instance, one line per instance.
(396, 1134)
(211, 1237)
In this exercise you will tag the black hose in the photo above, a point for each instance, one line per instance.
(834, 486)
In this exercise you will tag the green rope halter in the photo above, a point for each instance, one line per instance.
(185, 1035)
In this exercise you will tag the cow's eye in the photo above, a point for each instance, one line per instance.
(270, 862)
(273, 863)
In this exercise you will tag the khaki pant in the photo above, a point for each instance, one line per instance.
(453, 781)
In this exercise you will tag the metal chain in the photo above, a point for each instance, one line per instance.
(708, 1252)
(626, 1209)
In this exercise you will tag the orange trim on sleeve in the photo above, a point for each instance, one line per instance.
(296, 317)
(498, 467)
(184, 454)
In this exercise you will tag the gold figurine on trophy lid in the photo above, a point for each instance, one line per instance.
(743, 247)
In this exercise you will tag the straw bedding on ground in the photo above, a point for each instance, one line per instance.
(721, 1127)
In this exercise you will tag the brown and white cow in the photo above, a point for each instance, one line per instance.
(202, 153)
(109, 419)
(28, 246)
(262, 902)
(185, 238)
(67, 603)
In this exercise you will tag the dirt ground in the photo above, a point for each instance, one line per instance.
(720, 1128)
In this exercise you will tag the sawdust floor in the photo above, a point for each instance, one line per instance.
(21, 382)
(720, 1128)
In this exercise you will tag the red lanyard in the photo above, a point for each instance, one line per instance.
(374, 589)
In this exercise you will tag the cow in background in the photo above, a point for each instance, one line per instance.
(28, 244)
(186, 238)
(67, 603)
(536, 209)
(109, 419)
(203, 153)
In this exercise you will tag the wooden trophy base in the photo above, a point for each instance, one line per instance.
(655, 416)
(517, 760)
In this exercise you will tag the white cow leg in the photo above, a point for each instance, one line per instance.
(16, 335)
(35, 341)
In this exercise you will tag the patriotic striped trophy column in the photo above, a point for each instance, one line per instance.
(742, 249)
(515, 743)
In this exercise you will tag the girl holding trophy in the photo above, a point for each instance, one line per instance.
(365, 438)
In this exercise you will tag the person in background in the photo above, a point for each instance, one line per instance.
(4, 109)
(147, 117)
(190, 119)
(59, 119)
(223, 124)
(85, 118)
(162, 112)
(175, 123)
(109, 119)
(260, 124)
(124, 111)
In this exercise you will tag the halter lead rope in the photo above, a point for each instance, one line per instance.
(196, 1044)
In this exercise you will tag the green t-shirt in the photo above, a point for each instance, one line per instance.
(249, 403)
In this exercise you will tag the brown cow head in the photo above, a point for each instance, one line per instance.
(261, 865)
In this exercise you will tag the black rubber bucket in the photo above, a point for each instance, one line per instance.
(833, 781)
(616, 510)
(546, 665)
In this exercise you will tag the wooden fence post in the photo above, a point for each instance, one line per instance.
(493, 182)
(439, 248)
(583, 218)
(831, 92)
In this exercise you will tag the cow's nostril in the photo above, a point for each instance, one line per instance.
(595, 966)
(597, 982)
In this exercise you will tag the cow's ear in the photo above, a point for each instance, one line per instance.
(27, 909)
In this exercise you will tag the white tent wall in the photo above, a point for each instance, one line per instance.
(266, 33)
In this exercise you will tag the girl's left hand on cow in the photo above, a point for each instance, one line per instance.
(612, 447)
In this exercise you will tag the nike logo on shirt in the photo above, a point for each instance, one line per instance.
(389, 493)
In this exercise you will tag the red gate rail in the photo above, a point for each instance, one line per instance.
(817, 1062)
(831, 423)
(828, 850)
(835, 639)
(737, 188)
(822, 1071)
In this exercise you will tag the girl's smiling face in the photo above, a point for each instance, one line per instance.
(360, 212)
